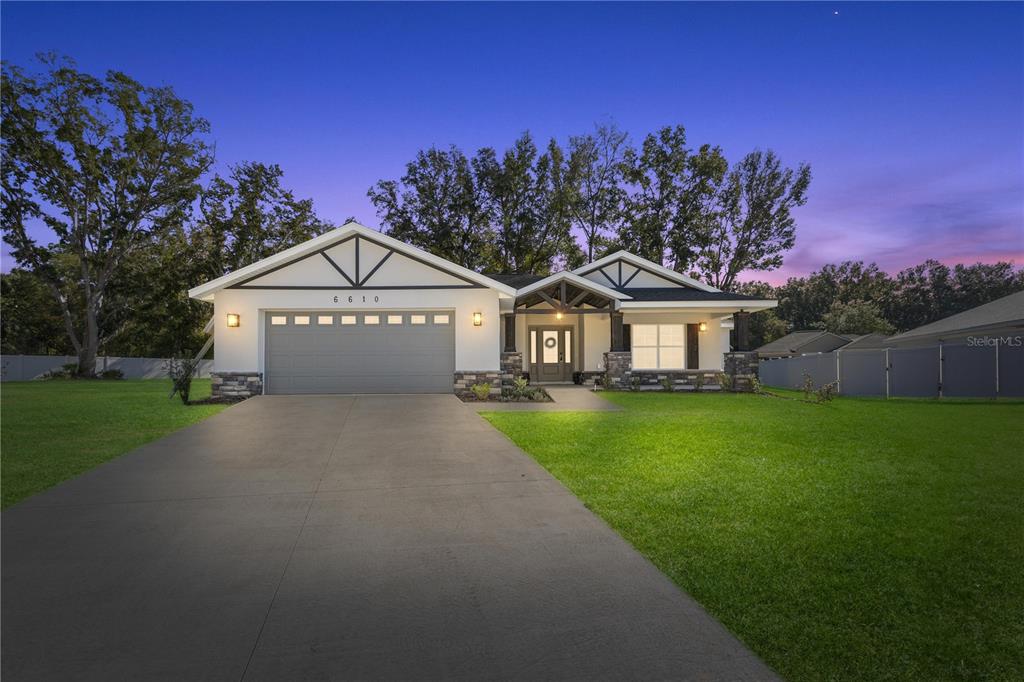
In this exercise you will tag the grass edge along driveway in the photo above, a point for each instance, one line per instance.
(861, 539)
(51, 431)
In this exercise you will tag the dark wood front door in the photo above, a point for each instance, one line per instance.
(552, 353)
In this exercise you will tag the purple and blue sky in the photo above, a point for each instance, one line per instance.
(911, 115)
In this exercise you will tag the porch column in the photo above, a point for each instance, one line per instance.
(510, 333)
(741, 324)
(618, 337)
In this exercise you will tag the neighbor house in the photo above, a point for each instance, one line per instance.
(802, 343)
(356, 311)
(1003, 319)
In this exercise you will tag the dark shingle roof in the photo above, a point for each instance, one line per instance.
(514, 280)
(1005, 310)
(794, 342)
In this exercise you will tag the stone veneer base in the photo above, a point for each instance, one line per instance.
(235, 384)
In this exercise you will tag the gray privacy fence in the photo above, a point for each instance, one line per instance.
(27, 367)
(947, 370)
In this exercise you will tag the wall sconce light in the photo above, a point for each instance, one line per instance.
(234, 319)
(478, 319)
(703, 326)
(559, 315)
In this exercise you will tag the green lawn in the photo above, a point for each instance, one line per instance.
(858, 540)
(51, 431)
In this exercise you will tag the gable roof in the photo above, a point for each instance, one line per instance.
(328, 239)
(1008, 310)
(794, 342)
(867, 342)
(577, 281)
(644, 264)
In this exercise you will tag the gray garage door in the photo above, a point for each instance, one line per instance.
(360, 352)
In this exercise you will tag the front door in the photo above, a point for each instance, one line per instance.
(551, 353)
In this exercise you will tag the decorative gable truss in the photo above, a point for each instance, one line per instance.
(357, 262)
(623, 270)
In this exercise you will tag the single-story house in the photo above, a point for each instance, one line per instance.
(357, 311)
(1003, 319)
(802, 343)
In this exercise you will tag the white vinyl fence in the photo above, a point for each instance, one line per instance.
(28, 367)
(945, 370)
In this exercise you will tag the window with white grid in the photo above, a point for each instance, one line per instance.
(658, 346)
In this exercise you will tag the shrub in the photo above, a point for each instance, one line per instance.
(807, 386)
(67, 371)
(111, 374)
(725, 381)
(181, 370)
(605, 381)
(520, 387)
(827, 392)
(755, 385)
(666, 384)
(698, 381)
(634, 383)
(481, 391)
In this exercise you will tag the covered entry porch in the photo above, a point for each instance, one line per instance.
(566, 328)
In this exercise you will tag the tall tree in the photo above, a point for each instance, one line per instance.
(105, 164)
(595, 168)
(753, 225)
(526, 198)
(804, 301)
(30, 319)
(855, 317)
(436, 206)
(249, 216)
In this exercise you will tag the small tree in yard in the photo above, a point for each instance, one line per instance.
(106, 164)
(181, 371)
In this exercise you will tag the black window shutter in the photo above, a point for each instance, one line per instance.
(627, 338)
(692, 346)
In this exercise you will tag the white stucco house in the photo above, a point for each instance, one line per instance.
(356, 311)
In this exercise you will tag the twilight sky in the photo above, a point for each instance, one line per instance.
(911, 115)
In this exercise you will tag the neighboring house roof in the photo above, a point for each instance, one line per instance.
(867, 342)
(810, 341)
(328, 239)
(644, 264)
(1005, 311)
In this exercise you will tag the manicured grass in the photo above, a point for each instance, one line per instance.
(51, 431)
(857, 540)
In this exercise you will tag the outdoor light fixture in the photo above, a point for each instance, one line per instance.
(478, 319)
(558, 315)
(703, 326)
(234, 320)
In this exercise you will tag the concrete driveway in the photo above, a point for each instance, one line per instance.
(319, 538)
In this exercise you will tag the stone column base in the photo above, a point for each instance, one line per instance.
(511, 367)
(742, 367)
(235, 384)
(618, 368)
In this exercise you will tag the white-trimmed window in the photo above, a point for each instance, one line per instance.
(348, 319)
(658, 346)
(394, 319)
(278, 320)
(440, 319)
(302, 319)
(417, 319)
(325, 319)
(371, 319)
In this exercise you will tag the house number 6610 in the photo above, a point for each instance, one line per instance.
(351, 299)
